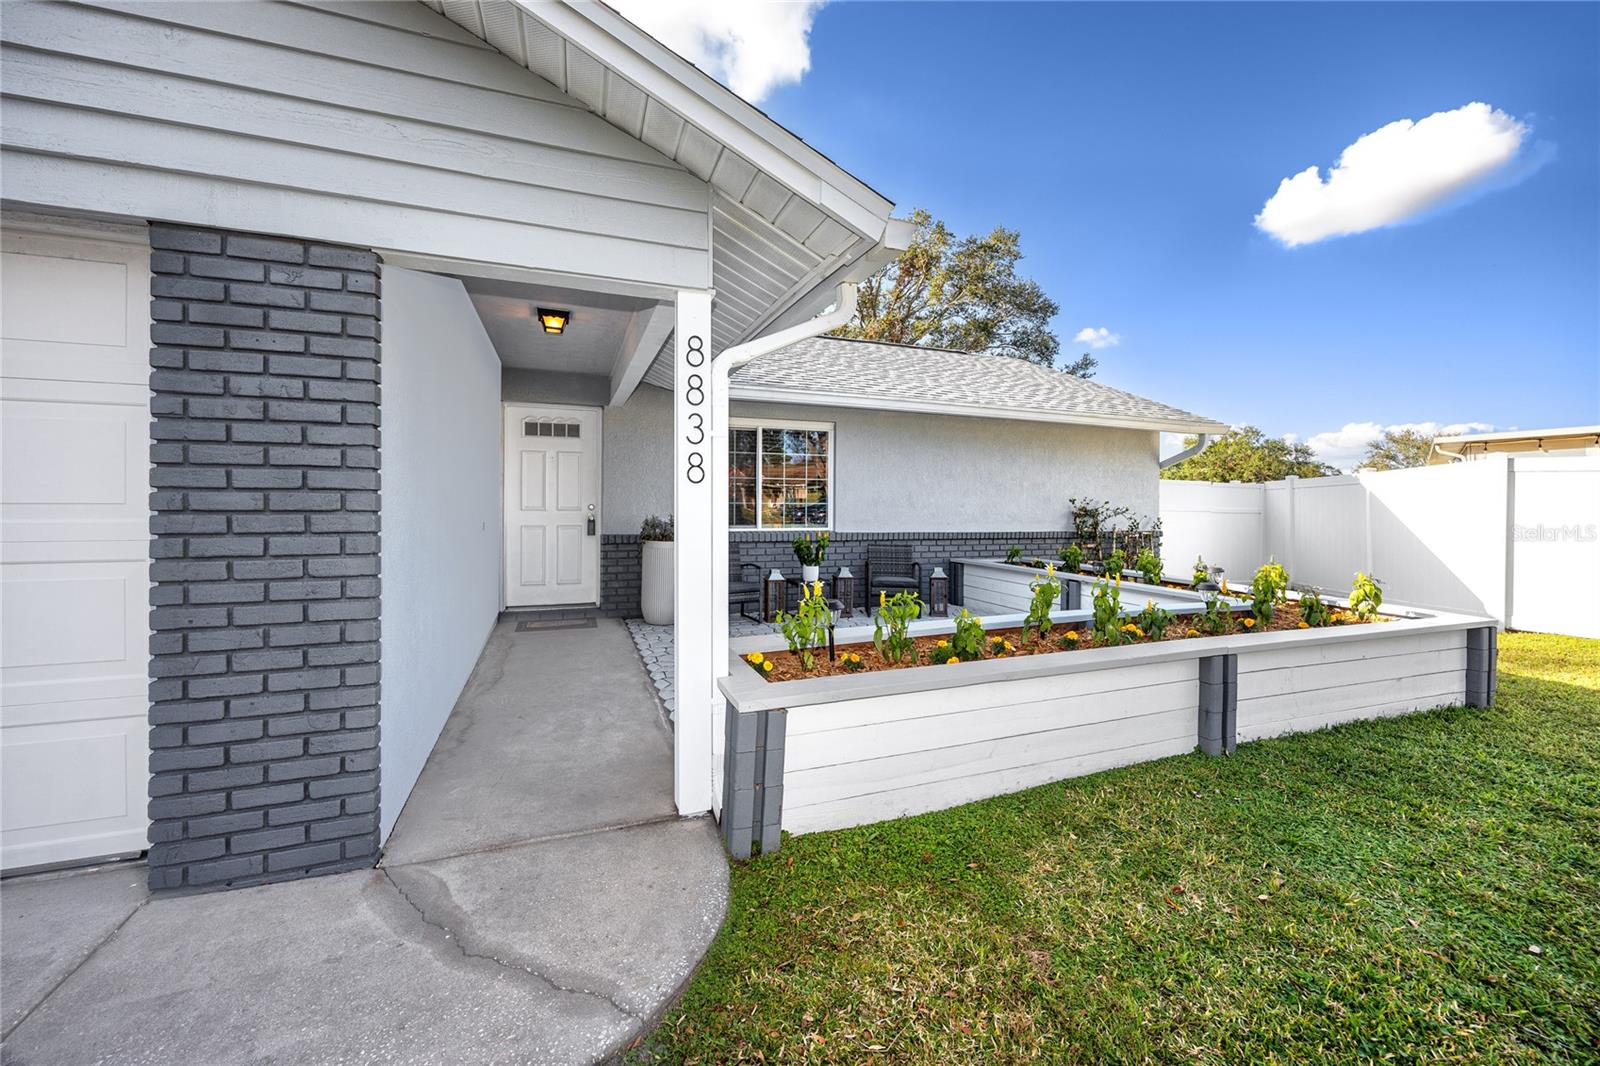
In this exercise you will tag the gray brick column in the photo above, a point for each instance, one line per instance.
(265, 652)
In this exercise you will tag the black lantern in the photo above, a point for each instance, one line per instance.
(777, 594)
(844, 589)
(939, 593)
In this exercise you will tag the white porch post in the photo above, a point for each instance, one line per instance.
(694, 487)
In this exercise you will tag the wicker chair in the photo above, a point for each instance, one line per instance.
(891, 568)
(745, 586)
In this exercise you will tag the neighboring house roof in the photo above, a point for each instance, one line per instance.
(788, 224)
(834, 372)
(1561, 439)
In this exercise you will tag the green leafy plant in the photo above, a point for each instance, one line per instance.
(1046, 591)
(890, 624)
(1216, 619)
(1202, 572)
(1154, 621)
(967, 641)
(1108, 611)
(1270, 587)
(1149, 565)
(1014, 554)
(1365, 598)
(1313, 611)
(811, 549)
(807, 629)
(1116, 563)
(656, 528)
(1071, 557)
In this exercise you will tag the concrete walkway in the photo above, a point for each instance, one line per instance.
(539, 902)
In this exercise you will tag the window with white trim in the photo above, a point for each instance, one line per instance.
(780, 474)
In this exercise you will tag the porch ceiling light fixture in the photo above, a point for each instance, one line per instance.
(552, 320)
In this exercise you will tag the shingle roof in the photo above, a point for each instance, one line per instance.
(837, 372)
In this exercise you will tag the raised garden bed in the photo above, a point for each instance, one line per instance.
(852, 748)
(862, 656)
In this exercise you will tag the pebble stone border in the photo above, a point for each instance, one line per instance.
(654, 645)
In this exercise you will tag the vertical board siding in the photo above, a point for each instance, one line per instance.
(364, 127)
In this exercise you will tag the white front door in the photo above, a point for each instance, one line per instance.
(74, 547)
(552, 505)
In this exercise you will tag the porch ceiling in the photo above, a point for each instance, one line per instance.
(785, 220)
(590, 344)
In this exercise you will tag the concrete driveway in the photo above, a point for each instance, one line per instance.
(539, 902)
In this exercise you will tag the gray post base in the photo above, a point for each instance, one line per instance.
(1219, 704)
(752, 781)
(1483, 658)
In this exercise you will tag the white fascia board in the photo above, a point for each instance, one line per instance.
(700, 99)
(756, 394)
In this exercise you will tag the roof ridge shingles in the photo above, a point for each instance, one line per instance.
(866, 370)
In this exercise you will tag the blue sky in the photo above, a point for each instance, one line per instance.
(1134, 144)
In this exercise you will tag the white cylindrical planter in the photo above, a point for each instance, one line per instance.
(655, 582)
(810, 574)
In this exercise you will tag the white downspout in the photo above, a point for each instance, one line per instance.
(1202, 442)
(722, 367)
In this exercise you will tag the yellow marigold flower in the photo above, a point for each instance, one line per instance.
(1192, 633)
(1072, 634)
(944, 644)
(766, 667)
(1000, 655)
(950, 660)
(1302, 625)
(754, 657)
(1248, 623)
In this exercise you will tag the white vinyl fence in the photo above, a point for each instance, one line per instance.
(1517, 538)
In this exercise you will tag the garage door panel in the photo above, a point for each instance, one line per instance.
(73, 310)
(74, 548)
(72, 790)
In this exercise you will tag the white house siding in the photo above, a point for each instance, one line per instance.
(381, 125)
(905, 472)
(441, 514)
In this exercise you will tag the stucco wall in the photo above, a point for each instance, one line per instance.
(902, 472)
(441, 514)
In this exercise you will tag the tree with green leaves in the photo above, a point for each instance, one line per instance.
(1247, 454)
(1398, 449)
(960, 292)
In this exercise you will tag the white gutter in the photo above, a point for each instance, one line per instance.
(1201, 444)
(844, 309)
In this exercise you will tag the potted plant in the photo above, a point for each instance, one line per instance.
(656, 570)
(811, 550)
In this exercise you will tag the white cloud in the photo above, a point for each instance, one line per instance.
(1347, 446)
(1097, 338)
(1395, 173)
(751, 47)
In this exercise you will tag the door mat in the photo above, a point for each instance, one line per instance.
(530, 625)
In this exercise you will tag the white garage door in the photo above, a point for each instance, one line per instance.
(74, 545)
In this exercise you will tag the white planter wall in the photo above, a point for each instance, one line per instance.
(863, 761)
(870, 747)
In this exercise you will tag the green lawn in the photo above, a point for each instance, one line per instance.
(1417, 889)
